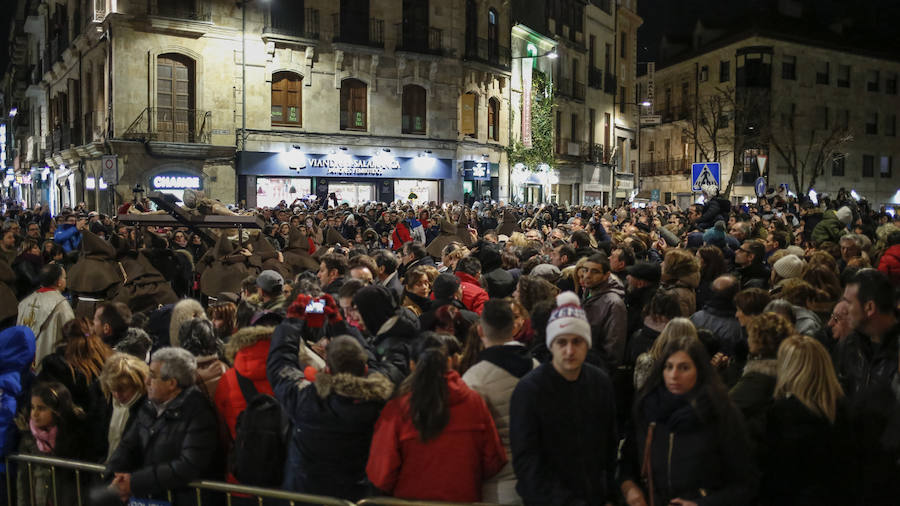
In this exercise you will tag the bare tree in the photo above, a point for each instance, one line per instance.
(709, 129)
(808, 145)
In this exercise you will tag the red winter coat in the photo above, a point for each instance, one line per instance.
(248, 349)
(890, 264)
(400, 236)
(450, 467)
(474, 296)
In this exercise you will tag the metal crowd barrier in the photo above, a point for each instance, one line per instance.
(229, 489)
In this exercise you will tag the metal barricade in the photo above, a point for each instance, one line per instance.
(230, 490)
(392, 501)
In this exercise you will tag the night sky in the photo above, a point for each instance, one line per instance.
(873, 21)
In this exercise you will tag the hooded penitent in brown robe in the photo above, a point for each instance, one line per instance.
(227, 268)
(265, 257)
(296, 254)
(449, 233)
(144, 287)
(96, 273)
(8, 302)
(509, 225)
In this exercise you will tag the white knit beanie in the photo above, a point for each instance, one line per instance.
(844, 215)
(568, 318)
(789, 266)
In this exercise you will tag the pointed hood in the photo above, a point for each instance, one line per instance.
(96, 271)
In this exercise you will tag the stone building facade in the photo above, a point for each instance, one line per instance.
(764, 96)
(253, 101)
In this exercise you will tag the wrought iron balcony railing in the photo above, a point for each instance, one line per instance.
(419, 40)
(482, 50)
(353, 31)
(159, 124)
(304, 24)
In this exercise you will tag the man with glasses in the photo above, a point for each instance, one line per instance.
(839, 323)
(174, 437)
(34, 233)
(604, 305)
(751, 268)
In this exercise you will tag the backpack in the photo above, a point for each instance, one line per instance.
(260, 443)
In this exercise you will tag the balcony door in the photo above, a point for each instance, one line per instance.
(175, 98)
(415, 24)
(354, 21)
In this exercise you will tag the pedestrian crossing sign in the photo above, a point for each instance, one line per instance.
(703, 174)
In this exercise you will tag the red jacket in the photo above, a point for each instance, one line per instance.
(474, 296)
(249, 348)
(890, 264)
(450, 467)
(399, 236)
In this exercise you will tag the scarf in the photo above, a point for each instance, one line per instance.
(45, 438)
(675, 411)
(424, 303)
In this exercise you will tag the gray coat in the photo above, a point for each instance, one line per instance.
(604, 306)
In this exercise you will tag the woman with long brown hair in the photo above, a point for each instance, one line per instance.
(77, 363)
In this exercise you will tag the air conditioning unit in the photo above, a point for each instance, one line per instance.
(574, 149)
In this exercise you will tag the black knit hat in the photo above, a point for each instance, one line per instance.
(375, 305)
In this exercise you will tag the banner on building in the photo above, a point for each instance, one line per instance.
(526, 102)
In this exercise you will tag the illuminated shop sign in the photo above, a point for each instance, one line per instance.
(342, 164)
(172, 181)
(478, 171)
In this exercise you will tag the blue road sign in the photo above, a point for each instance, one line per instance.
(703, 174)
(760, 186)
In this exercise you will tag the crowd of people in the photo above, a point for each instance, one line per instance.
(511, 354)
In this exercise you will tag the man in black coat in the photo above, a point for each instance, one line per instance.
(868, 356)
(174, 439)
(563, 419)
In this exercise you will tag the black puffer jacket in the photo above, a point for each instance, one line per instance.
(697, 453)
(394, 343)
(168, 452)
(333, 420)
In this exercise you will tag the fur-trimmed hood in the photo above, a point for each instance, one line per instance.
(375, 387)
(246, 337)
(767, 366)
(183, 311)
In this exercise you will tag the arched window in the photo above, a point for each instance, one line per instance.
(353, 105)
(175, 85)
(287, 99)
(414, 109)
(469, 121)
(494, 119)
(493, 37)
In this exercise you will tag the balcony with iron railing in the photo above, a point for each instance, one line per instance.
(595, 78)
(568, 148)
(578, 90)
(191, 10)
(419, 40)
(670, 167)
(609, 83)
(489, 52)
(353, 31)
(187, 126)
(304, 24)
(564, 87)
(593, 153)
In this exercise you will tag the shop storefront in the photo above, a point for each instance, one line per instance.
(480, 180)
(265, 179)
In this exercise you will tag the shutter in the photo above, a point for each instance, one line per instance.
(469, 101)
